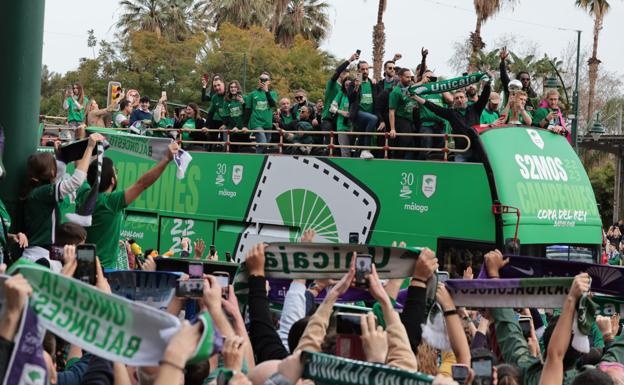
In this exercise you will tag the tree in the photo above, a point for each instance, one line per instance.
(484, 10)
(379, 40)
(173, 19)
(598, 9)
(307, 18)
(91, 41)
(601, 178)
(241, 13)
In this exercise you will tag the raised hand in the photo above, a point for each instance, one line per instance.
(255, 260)
(494, 261)
(374, 339)
(233, 352)
(426, 265)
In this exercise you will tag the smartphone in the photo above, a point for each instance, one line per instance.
(348, 323)
(57, 252)
(163, 95)
(482, 367)
(363, 268)
(212, 250)
(223, 279)
(354, 238)
(85, 257)
(525, 325)
(192, 288)
(358, 52)
(196, 270)
(359, 76)
(460, 373)
(433, 78)
(443, 276)
(228, 256)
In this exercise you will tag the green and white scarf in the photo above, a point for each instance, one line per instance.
(447, 85)
(106, 325)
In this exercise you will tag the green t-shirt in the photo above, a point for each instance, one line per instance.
(286, 119)
(234, 110)
(388, 85)
(541, 114)
(75, 114)
(189, 124)
(488, 117)
(427, 117)
(106, 222)
(41, 215)
(342, 123)
(401, 103)
(261, 112)
(366, 97)
(303, 138)
(118, 115)
(217, 106)
(331, 90)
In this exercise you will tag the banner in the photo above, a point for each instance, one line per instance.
(332, 260)
(146, 147)
(605, 279)
(548, 293)
(447, 85)
(328, 369)
(106, 325)
(153, 288)
(26, 365)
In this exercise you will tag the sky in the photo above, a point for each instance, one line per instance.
(410, 25)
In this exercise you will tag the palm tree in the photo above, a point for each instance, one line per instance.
(307, 18)
(484, 10)
(379, 40)
(241, 13)
(173, 19)
(598, 9)
(141, 15)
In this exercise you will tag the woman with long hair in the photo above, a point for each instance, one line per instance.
(46, 186)
(74, 103)
(234, 110)
(192, 124)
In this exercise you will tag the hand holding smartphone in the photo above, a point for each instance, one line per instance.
(223, 279)
(460, 373)
(482, 367)
(363, 268)
(86, 268)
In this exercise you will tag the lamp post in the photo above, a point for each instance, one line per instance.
(596, 129)
(575, 94)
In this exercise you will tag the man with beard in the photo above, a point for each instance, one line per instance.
(462, 117)
(522, 76)
(108, 213)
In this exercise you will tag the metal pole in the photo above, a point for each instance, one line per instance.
(244, 73)
(575, 95)
(617, 191)
(21, 25)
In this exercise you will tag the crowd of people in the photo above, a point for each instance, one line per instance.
(355, 106)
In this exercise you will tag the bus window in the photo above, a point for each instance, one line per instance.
(455, 255)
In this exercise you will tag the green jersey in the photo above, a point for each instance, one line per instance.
(286, 119)
(118, 118)
(342, 123)
(401, 103)
(189, 124)
(234, 110)
(41, 215)
(489, 117)
(217, 106)
(74, 113)
(427, 117)
(541, 114)
(366, 97)
(261, 112)
(331, 90)
(105, 227)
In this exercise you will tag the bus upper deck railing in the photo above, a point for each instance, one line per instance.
(282, 143)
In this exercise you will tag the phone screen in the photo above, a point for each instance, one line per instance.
(443, 276)
(191, 288)
(482, 368)
(213, 250)
(85, 258)
(354, 238)
(525, 325)
(362, 269)
(459, 373)
(348, 323)
(196, 270)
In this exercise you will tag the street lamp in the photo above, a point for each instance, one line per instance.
(551, 82)
(596, 128)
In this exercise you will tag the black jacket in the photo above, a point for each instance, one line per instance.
(266, 343)
(505, 81)
(413, 315)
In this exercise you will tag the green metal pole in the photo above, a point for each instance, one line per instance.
(21, 25)
(575, 94)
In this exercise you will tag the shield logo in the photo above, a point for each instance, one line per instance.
(536, 138)
(237, 174)
(429, 185)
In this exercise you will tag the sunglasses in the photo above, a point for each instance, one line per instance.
(390, 68)
(264, 79)
(299, 97)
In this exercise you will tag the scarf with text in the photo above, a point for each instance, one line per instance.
(447, 85)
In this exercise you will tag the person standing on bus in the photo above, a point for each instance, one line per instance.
(74, 103)
(462, 117)
(107, 217)
(259, 105)
(233, 116)
(400, 114)
(216, 111)
(549, 115)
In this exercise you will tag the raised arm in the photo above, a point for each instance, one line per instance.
(454, 327)
(552, 374)
(342, 67)
(151, 176)
(503, 69)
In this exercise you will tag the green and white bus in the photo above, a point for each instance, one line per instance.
(531, 187)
